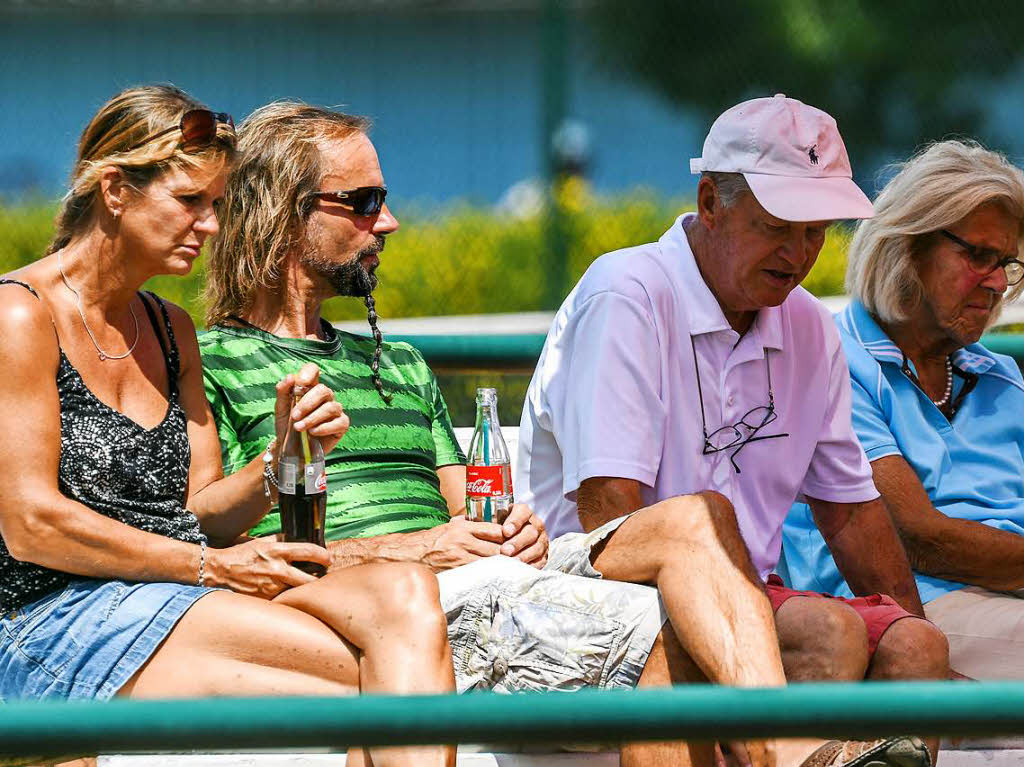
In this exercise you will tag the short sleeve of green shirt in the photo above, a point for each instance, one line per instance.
(446, 445)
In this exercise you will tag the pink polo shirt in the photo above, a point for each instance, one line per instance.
(615, 395)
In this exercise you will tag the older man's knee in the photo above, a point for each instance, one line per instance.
(693, 516)
(702, 522)
(911, 648)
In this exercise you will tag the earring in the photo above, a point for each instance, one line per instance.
(116, 214)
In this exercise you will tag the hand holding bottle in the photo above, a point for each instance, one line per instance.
(311, 417)
(262, 567)
(316, 412)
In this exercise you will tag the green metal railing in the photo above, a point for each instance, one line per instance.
(516, 350)
(522, 350)
(1006, 343)
(848, 710)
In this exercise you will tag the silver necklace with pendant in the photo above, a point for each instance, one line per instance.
(78, 301)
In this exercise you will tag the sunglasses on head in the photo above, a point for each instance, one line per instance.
(363, 201)
(198, 129)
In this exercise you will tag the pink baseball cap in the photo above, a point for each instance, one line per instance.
(791, 155)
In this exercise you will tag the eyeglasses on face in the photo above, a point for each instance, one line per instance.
(198, 129)
(984, 261)
(363, 201)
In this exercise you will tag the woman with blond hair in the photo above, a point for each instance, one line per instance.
(119, 575)
(939, 415)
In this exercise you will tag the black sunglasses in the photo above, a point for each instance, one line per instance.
(984, 261)
(364, 201)
(198, 129)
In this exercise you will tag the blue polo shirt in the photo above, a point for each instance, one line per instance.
(972, 468)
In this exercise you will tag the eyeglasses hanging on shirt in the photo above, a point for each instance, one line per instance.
(745, 430)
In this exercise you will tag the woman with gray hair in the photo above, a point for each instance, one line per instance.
(938, 414)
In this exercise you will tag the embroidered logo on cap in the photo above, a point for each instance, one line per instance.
(812, 154)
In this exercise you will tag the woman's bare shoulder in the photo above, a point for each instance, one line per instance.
(26, 324)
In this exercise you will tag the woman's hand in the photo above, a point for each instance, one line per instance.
(317, 413)
(262, 567)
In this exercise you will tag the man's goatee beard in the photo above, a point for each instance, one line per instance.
(350, 278)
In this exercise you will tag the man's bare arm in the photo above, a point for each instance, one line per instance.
(867, 549)
(455, 543)
(453, 487)
(602, 499)
(955, 549)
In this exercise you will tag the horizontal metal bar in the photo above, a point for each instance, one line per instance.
(503, 350)
(523, 349)
(1006, 343)
(859, 710)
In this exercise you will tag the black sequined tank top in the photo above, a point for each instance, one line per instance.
(114, 466)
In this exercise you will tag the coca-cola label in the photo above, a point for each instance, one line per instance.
(485, 482)
(316, 478)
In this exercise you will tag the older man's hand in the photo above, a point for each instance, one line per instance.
(460, 542)
(526, 539)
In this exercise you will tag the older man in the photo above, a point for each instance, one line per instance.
(305, 220)
(697, 362)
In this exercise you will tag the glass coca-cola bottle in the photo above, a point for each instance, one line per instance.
(488, 471)
(302, 489)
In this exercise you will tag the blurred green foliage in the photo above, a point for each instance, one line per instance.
(468, 260)
(894, 74)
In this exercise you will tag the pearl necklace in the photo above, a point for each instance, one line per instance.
(941, 403)
(78, 299)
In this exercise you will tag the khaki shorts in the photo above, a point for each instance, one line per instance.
(514, 628)
(984, 631)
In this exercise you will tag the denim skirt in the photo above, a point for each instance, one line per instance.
(87, 641)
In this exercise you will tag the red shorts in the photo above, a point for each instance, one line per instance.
(877, 611)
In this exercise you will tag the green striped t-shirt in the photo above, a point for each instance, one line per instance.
(382, 476)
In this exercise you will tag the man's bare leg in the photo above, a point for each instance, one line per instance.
(668, 664)
(690, 547)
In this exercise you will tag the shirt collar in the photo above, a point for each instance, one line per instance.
(325, 348)
(858, 322)
(699, 305)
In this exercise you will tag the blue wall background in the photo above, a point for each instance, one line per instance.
(455, 96)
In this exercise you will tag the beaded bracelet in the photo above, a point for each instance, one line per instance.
(269, 475)
(202, 562)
